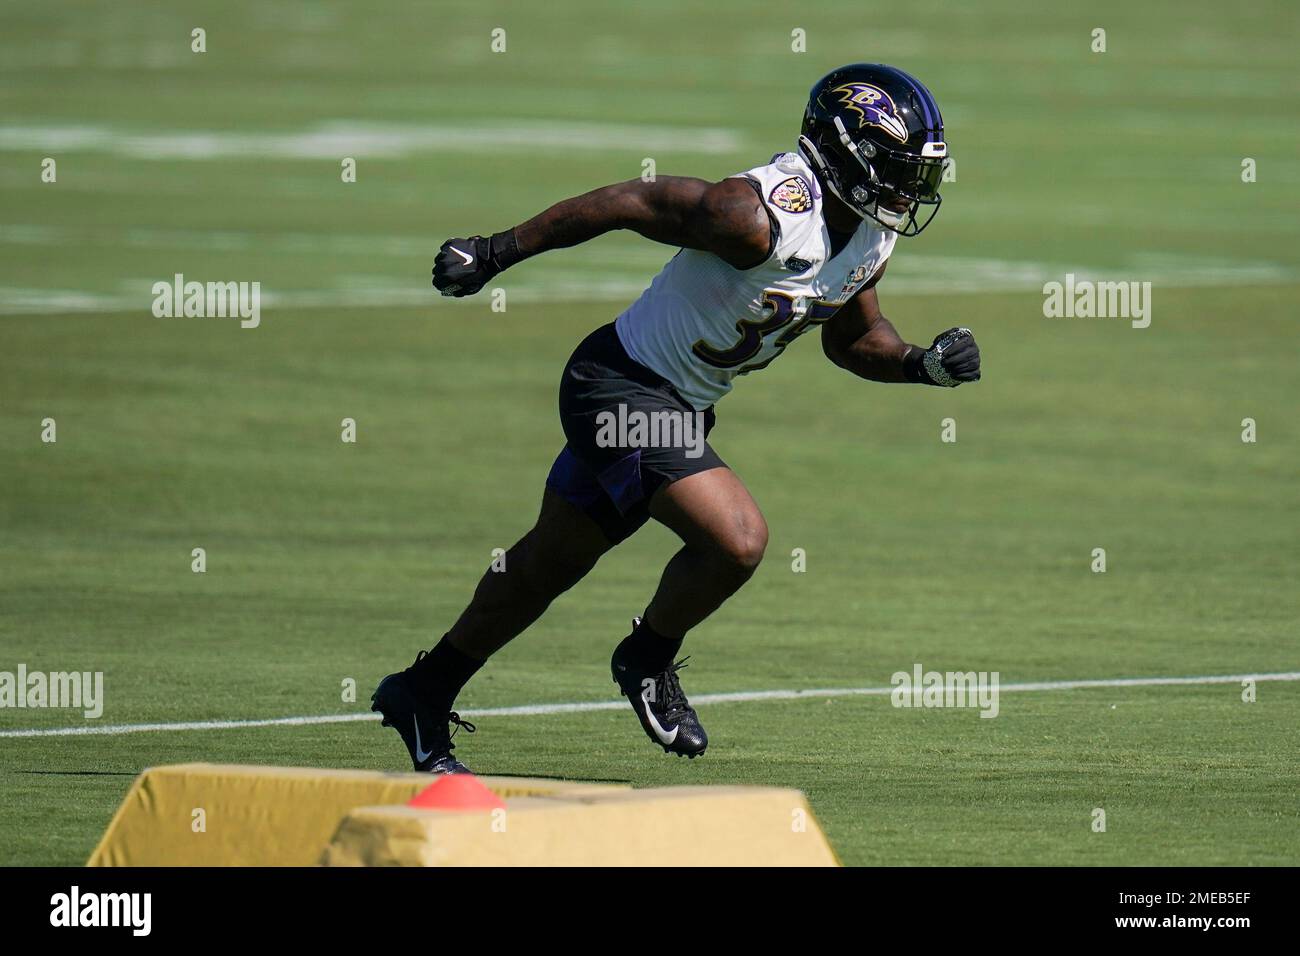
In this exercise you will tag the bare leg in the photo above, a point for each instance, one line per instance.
(724, 536)
(551, 558)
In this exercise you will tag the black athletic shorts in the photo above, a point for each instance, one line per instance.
(629, 433)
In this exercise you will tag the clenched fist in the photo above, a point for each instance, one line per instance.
(463, 266)
(953, 358)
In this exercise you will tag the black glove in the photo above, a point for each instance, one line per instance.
(953, 358)
(463, 266)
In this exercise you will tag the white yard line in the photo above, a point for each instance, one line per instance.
(531, 710)
(335, 139)
(604, 274)
(618, 286)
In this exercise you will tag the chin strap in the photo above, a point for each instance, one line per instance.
(818, 163)
(811, 153)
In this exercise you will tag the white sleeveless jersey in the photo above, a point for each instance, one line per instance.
(702, 322)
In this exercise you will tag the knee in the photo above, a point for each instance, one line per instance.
(743, 548)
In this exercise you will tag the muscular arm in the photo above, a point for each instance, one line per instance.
(860, 339)
(725, 218)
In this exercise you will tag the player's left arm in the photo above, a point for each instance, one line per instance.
(860, 339)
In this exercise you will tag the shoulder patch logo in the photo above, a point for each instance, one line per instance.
(792, 195)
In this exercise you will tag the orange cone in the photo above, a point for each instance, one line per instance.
(456, 791)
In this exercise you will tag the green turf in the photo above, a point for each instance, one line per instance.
(329, 561)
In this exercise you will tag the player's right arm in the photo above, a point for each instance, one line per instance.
(726, 218)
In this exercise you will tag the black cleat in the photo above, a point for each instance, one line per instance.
(423, 730)
(660, 704)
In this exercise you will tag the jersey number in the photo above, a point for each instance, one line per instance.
(781, 313)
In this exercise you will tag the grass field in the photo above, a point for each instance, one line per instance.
(329, 561)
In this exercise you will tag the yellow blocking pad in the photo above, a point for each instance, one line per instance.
(668, 826)
(264, 816)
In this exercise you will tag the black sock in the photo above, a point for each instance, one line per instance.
(440, 674)
(649, 650)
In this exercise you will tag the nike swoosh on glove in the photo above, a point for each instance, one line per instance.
(463, 266)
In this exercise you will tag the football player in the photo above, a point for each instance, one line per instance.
(765, 256)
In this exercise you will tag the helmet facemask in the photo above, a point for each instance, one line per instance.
(883, 176)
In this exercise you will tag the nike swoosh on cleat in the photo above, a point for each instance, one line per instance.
(422, 755)
(664, 736)
(469, 260)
